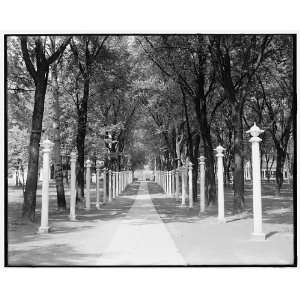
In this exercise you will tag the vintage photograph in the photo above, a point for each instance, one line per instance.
(150, 150)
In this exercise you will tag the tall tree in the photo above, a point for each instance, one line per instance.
(37, 64)
(237, 58)
(86, 51)
(58, 168)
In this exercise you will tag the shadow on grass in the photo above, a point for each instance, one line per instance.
(59, 222)
(276, 210)
(61, 254)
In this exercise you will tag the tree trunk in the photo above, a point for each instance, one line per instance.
(34, 149)
(280, 158)
(238, 173)
(81, 133)
(209, 162)
(201, 112)
(61, 201)
(195, 167)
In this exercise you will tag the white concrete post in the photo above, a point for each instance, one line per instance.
(98, 165)
(202, 183)
(173, 183)
(109, 187)
(190, 170)
(177, 184)
(104, 186)
(170, 182)
(44, 228)
(117, 184)
(255, 131)
(123, 181)
(88, 185)
(72, 215)
(184, 184)
(120, 182)
(220, 176)
(167, 182)
(114, 185)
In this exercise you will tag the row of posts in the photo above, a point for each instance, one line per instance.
(117, 183)
(169, 181)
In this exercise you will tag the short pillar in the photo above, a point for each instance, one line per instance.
(123, 180)
(170, 182)
(72, 215)
(88, 185)
(98, 165)
(258, 233)
(220, 176)
(202, 183)
(166, 182)
(117, 184)
(104, 186)
(177, 184)
(173, 183)
(114, 185)
(190, 170)
(184, 185)
(109, 187)
(44, 228)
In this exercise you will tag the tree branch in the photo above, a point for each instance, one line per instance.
(59, 51)
(27, 59)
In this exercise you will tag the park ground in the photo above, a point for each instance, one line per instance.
(144, 226)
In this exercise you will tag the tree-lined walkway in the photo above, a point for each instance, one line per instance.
(144, 226)
(142, 238)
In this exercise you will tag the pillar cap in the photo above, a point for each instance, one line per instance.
(189, 163)
(220, 150)
(47, 145)
(73, 155)
(201, 159)
(88, 163)
(99, 164)
(255, 131)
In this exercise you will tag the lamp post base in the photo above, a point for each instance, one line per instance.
(258, 236)
(221, 220)
(44, 229)
(72, 218)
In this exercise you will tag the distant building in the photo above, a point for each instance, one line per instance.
(268, 169)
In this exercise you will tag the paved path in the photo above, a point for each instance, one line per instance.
(142, 238)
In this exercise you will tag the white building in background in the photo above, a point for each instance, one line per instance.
(267, 170)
